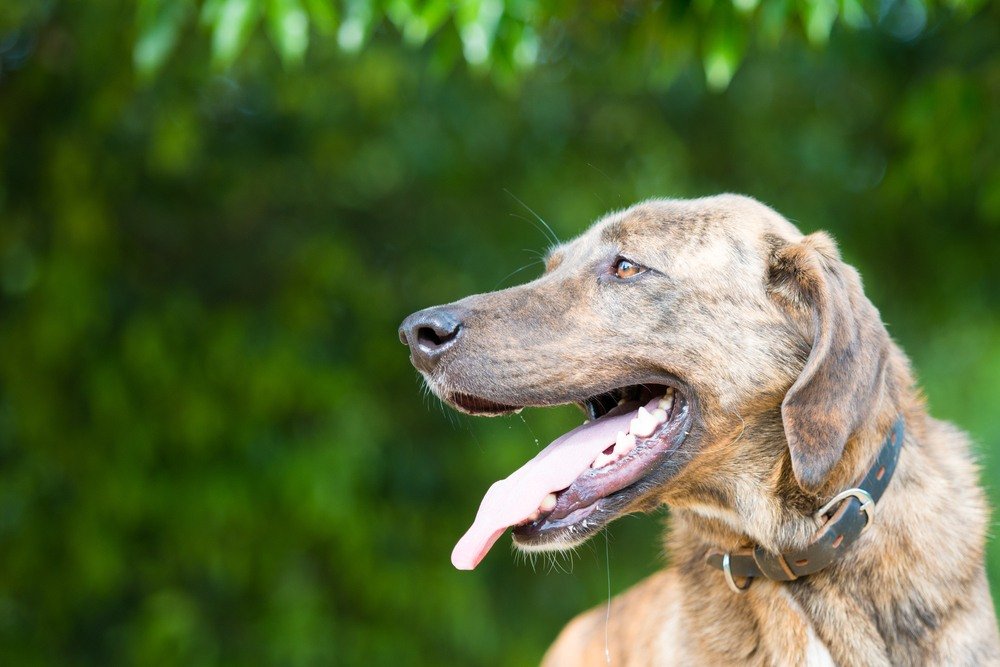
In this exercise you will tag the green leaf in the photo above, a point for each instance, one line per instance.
(399, 12)
(210, 12)
(477, 26)
(159, 27)
(722, 52)
(354, 31)
(418, 24)
(527, 48)
(288, 25)
(773, 19)
(745, 6)
(433, 15)
(852, 13)
(323, 14)
(819, 16)
(232, 25)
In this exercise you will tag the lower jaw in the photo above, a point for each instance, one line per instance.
(563, 533)
(554, 533)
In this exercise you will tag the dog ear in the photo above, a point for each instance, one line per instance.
(842, 377)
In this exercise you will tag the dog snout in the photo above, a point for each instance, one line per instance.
(429, 334)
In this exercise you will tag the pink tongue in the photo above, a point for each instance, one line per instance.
(511, 501)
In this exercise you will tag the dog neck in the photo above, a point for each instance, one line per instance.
(901, 578)
(840, 522)
(757, 501)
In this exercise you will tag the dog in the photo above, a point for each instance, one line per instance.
(733, 369)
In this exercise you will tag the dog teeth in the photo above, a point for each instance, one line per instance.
(602, 460)
(666, 402)
(660, 415)
(518, 411)
(548, 503)
(643, 425)
(624, 443)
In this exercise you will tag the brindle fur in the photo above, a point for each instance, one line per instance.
(794, 383)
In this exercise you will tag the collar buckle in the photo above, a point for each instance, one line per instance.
(730, 581)
(838, 526)
(865, 498)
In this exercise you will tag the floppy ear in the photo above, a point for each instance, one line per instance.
(841, 380)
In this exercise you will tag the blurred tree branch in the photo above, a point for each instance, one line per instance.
(503, 38)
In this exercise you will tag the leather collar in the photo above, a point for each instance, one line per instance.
(841, 522)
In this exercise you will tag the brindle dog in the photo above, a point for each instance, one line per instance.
(779, 385)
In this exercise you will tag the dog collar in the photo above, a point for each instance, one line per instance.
(840, 523)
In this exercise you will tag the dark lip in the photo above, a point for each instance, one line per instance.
(481, 406)
(476, 405)
(585, 506)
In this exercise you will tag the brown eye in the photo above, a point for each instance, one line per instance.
(626, 268)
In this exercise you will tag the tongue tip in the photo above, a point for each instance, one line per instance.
(472, 548)
(466, 559)
(464, 563)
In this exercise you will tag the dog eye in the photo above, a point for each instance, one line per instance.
(626, 268)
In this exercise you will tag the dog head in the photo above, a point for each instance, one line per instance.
(722, 359)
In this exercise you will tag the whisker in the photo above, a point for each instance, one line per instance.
(555, 239)
(541, 230)
(602, 173)
(516, 271)
(607, 615)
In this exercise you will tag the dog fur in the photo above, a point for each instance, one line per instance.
(794, 383)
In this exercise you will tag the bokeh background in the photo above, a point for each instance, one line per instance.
(213, 216)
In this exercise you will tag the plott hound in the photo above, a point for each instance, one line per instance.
(733, 369)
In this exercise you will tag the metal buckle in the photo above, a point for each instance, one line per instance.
(867, 506)
(726, 570)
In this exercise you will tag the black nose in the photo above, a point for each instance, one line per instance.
(430, 333)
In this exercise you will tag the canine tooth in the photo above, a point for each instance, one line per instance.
(518, 411)
(660, 415)
(620, 440)
(624, 443)
(643, 425)
(602, 460)
(666, 403)
(548, 503)
(621, 401)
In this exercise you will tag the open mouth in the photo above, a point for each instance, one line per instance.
(585, 478)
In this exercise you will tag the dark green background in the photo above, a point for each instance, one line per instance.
(213, 449)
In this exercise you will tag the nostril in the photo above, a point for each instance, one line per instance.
(430, 333)
(436, 336)
(428, 337)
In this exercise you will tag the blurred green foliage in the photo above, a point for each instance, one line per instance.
(503, 37)
(212, 446)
